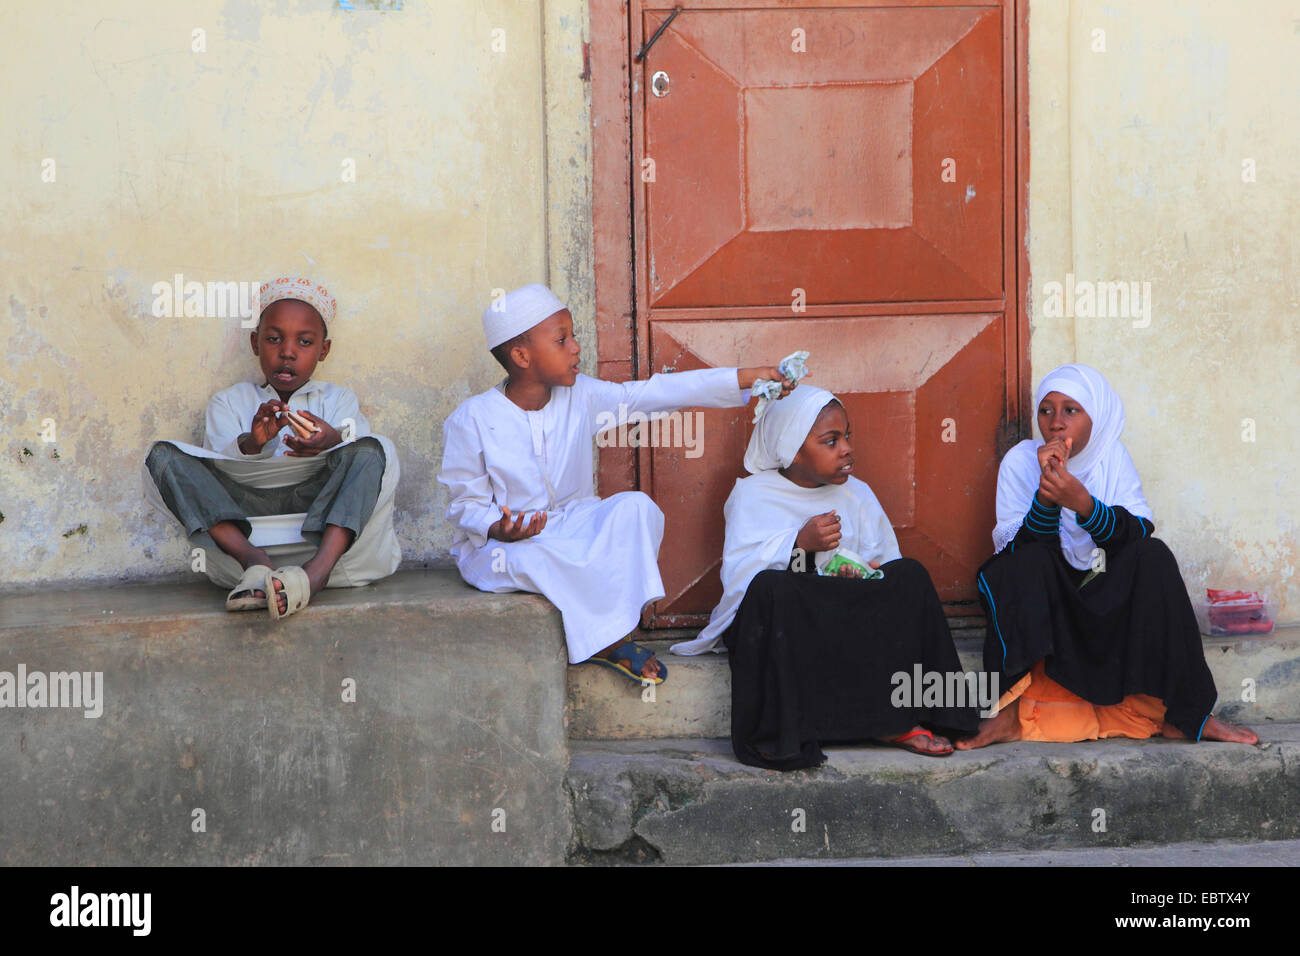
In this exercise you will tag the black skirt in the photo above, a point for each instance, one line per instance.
(1129, 630)
(813, 660)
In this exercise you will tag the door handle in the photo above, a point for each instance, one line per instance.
(657, 34)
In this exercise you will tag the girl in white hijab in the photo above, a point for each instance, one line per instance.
(813, 657)
(1089, 621)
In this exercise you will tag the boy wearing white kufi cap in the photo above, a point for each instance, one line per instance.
(518, 463)
(285, 445)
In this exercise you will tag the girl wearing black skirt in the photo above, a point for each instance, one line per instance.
(817, 658)
(1090, 625)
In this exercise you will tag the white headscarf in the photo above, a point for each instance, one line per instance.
(1103, 466)
(784, 427)
(766, 511)
(518, 311)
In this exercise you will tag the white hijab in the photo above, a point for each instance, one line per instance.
(1103, 466)
(766, 511)
(783, 428)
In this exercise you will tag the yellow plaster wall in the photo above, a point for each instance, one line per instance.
(1137, 175)
(472, 173)
(229, 164)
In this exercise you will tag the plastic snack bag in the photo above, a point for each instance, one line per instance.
(829, 563)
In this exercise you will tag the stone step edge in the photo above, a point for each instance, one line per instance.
(1289, 634)
(689, 801)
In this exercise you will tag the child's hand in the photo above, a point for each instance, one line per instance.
(820, 533)
(266, 423)
(320, 441)
(746, 377)
(849, 571)
(1060, 487)
(1057, 450)
(1045, 493)
(514, 529)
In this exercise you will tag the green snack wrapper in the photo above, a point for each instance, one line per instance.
(834, 564)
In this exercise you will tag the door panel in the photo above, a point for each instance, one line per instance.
(821, 170)
(902, 403)
(871, 173)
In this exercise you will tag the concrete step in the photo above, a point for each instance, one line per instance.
(689, 801)
(695, 701)
(454, 749)
(1182, 855)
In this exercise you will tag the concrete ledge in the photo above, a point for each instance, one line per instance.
(695, 701)
(1182, 855)
(459, 712)
(691, 802)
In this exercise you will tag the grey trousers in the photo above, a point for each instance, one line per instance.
(343, 492)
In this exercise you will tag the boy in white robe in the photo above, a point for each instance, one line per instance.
(518, 465)
(256, 461)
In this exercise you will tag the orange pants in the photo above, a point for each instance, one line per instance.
(1049, 712)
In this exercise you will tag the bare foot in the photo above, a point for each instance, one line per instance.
(922, 743)
(1003, 728)
(1215, 729)
(650, 669)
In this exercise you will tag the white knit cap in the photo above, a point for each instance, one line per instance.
(304, 290)
(518, 311)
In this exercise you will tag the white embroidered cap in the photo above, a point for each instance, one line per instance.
(296, 287)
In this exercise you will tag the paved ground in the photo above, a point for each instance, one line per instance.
(1272, 853)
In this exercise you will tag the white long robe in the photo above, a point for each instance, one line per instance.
(596, 560)
(765, 513)
(375, 553)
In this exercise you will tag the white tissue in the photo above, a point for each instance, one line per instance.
(793, 367)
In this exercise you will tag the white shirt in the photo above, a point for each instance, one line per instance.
(230, 414)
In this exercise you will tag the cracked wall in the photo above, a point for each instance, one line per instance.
(230, 163)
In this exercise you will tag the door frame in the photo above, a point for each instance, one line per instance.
(613, 208)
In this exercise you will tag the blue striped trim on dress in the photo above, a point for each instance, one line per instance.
(1041, 519)
(1101, 523)
(988, 593)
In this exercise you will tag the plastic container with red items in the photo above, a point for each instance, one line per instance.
(1236, 612)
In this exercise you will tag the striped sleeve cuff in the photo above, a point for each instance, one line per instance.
(1043, 519)
(1101, 523)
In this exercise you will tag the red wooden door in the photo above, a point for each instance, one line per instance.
(840, 179)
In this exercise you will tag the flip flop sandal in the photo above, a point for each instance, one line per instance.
(628, 659)
(253, 579)
(901, 743)
(297, 590)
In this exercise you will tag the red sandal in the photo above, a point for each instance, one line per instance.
(901, 743)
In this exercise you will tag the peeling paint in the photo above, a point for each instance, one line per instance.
(226, 165)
